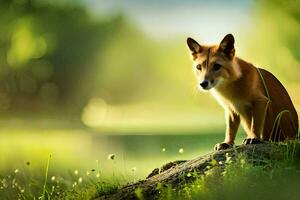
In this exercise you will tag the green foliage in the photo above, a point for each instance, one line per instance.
(81, 165)
(276, 178)
(89, 191)
(273, 40)
(46, 51)
(139, 193)
(20, 185)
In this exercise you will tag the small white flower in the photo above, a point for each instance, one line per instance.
(16, 171)
(76, 172)
(181, 150)
(98, 175)
(163, 149)
(53, 178)
(79, 180)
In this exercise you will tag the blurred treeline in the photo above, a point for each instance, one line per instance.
(57, 56)
(47, 53)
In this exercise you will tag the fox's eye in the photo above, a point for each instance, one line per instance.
(217, 66)
(198, 67)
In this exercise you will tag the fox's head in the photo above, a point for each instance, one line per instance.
(215, 64)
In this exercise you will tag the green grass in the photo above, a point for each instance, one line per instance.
(275, 179)
(89, 191)
(71, 175)
(241, 181)
(79, 165)
(19, 185)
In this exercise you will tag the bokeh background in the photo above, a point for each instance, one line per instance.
(82, 79)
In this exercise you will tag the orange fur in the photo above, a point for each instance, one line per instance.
(238, 87)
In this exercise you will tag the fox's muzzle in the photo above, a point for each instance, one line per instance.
(204, 84)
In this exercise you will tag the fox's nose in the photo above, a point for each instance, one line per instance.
(204, 84)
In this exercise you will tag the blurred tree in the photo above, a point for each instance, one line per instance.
(46, 52)
(291, 8)
(274, 39)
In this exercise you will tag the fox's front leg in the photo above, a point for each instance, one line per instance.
(232, 125)
(256, 121)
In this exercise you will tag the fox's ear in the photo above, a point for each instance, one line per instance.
(227, 46)
(194, 46)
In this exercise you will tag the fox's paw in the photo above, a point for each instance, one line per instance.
(222, 146)
(252, 141)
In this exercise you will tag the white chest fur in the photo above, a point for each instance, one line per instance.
(234, 104)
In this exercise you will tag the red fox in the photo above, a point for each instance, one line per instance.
(250, 95)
